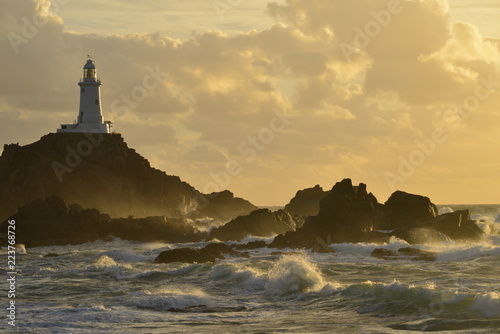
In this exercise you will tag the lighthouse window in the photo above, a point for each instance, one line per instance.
(97, 101)
(83, 90)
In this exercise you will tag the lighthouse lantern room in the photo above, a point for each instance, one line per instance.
(90, 117)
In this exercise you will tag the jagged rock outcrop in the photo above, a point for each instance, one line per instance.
(261, 223)
(347, 214)
(50, 221)
(100, 171)
(209, 253)
(306, 201)
(350, 214)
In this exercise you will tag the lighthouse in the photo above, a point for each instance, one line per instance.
(90, 117)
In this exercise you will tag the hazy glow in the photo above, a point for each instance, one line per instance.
(296, 92)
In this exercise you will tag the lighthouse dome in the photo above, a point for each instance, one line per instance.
(89, 64)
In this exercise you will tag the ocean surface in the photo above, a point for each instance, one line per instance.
(116, 287)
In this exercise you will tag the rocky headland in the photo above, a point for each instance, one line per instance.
(100, 171)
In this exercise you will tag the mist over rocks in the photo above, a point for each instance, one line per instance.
(448, 226)
(222, 206)
(100, 171)
(50, 221)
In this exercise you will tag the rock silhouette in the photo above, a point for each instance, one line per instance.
(306, 201)
(351, 214)
(100, 171)
(261, 223)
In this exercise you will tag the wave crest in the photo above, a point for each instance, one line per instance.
(294, 273)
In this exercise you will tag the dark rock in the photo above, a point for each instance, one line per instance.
(403, 209)
(109, 176)
(220, 248)
(410, 251)
(306, 202)
(402, 253)
(51, 255)
(185, 255)
(347, 214)
(223, 206)
(418, 254)
(252, 245)
(384, 254)
(206, 254)
(260, 223)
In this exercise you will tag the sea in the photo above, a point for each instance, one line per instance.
(116, 287)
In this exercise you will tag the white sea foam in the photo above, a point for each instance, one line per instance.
(170, 297)
(445, 210)
(366, 248)
(487, 304)
(250, 277)
(429, 298)
(251, 238)
(109, 267)
(125, 256)
(454, 251)
(489, 227)
(294, 273)
(20, 249)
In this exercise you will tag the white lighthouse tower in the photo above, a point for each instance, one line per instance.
(90, 116)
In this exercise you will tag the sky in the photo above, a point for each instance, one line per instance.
(268, 97)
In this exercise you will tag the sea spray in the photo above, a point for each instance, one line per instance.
(169, 297)
(20, 249)
(294, 273)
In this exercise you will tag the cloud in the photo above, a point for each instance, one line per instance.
(189, 105)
